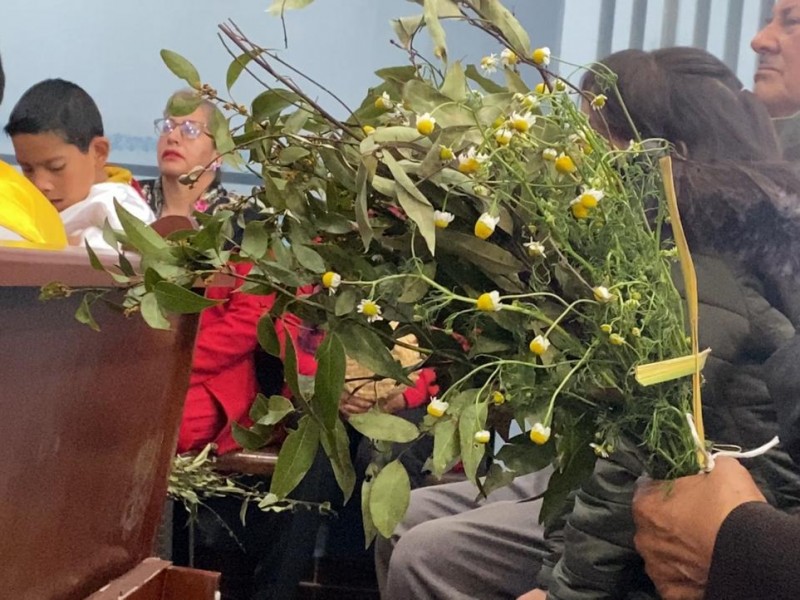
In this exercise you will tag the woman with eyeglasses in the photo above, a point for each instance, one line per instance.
(268, 557)
(184, 146)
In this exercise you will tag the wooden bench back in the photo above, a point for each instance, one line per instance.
(88, 426)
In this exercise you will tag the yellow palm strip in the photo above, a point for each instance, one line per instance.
(680, 367)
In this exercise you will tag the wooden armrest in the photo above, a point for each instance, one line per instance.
(249, 462)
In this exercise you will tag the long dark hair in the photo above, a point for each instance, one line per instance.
(736, 195)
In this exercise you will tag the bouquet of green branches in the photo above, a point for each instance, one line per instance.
(520, 249)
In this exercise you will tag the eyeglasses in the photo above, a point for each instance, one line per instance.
(189, 129)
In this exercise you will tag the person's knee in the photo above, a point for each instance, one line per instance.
(421, 547)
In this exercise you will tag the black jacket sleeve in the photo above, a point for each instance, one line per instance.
(755, 555)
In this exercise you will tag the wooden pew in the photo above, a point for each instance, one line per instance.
(89, 427)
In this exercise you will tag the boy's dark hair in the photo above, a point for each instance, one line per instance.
(59, 107)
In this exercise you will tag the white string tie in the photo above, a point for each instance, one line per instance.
(738, 453)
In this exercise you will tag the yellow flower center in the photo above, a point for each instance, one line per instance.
(498, 397)
(588, 200)
(541, 88)
(540, 436)
(370, 309)
(482, 230)
(482, 437)
(469, 165)
(485, 302)
(521, 125)
(425, 126)
(368, 129)
(539, 56)
(330, 279)
(565, 165)
(616, 339)
(446, 153)
(538, 346)
(579, 211)
(435, 410)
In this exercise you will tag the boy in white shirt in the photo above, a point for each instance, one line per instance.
(57, 133)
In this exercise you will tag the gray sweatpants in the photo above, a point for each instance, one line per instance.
(452, 547)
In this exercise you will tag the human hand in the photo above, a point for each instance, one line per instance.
(352, 404)
(677, 525)
(536, 594)
(393, 403)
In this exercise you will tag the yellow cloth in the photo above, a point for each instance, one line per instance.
(27, 213)
(118, 174)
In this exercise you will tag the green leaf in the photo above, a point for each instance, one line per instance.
(507, 23)
(290, 372)
(497, 478)
(472, 419)
(140, 236)
(183, 104)
(223, 140)
(254, 438)
(389, 497)
(384, 427)
(455, 83)
(405, 28)
(151, 312)
(337, 446)
(278, 6)
(366, 488)
(435, 29)
(396, 133)
(255, 241)
(522, 457)
(292, 154)
(236, 67)
(329, 380)
(486, 83)
(345, 303)
(422, 97)
(445, 446)
(270, 411)
(267, 336)
(269, 104)
(365, 347)
(296, 457)
(84, 313)
(93, 260)
(181, 67)
(308, 258)
(515, 83)
(174, 298)
(413, 202)
(362, 214)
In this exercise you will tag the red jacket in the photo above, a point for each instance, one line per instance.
(223, 382)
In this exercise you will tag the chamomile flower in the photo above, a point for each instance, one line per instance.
(508, 58)
(489, 64)
(498, 398)
(539, 345)
(488, 302)
(485, 225)
(522, 122)
(442, 218)
(599, 449)
(535, 249)
(606, 328)
(636, 332)
(564, 164)
(436, 407)
(503, 136)
(529, 101)
(602, 295)
(599, 101)
(425, 124)
(446, 153)
(541, 56)
(579, 211)
(370, 309)
(368, 129)
(541, 88)
(384, 102)
(482, 437)
(471, 160)
(550, 154)
(331, 281)
(590, 197)
(616, 339)
(539, 434)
